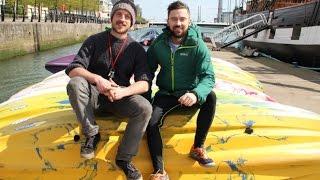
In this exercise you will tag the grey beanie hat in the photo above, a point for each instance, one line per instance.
(122, 4)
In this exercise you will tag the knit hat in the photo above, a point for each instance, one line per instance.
(126, 5)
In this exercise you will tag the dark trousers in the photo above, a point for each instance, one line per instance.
(163, 104)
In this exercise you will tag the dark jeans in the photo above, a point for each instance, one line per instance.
(163, 104)
(85, 100)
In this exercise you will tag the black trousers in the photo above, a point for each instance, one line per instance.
(161, 105)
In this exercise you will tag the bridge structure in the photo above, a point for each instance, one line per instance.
(201, 24)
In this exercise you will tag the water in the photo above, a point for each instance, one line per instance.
(23, 71)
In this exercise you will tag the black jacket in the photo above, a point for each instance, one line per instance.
(95, 57)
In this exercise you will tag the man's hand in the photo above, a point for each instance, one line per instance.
(116, 93)
(188, 99)
(113, 84)
(103, 85)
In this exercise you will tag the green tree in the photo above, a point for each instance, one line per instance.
(86, 5)
(139, 18)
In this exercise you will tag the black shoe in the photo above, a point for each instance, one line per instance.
(128, 168)
(87, 150)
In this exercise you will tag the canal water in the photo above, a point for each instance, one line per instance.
(23, 71)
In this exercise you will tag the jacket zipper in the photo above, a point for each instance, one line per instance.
(172, 71)
(172, 64)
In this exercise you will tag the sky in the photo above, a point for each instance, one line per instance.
(156, 10)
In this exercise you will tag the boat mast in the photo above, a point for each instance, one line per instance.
(220, 11)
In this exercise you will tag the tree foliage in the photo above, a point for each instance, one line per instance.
(68, 5)
(139, 18)
(64, 5)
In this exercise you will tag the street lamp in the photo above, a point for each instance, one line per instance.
(82, 18)
(81, 7)
(15, 10)
(2, 9)
(56, 12)
(35, 8)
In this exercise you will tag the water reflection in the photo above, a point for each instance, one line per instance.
(23, 71)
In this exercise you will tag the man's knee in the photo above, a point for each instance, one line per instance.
(75, 84)
(211, 99)
(155, 117)
(147, 109)
(144, 108)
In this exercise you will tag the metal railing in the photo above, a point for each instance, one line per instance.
(51, 15)
(236, 30)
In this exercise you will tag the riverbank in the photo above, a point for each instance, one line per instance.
(23, 38)
(286, 84)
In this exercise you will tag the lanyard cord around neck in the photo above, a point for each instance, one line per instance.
(113, 62)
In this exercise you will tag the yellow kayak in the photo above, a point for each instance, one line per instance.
(250, 138)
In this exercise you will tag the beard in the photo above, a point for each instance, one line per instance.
(120, 28)
(175, 31)
(124, 31)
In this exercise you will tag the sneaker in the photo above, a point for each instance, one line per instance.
(199, 154)
(87, 150)
(159, 176)
(131, 172)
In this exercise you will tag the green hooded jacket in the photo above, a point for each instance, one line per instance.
(188, 69)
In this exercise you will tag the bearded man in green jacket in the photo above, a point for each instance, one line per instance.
(186, 79)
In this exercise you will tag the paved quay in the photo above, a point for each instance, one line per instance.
(286, 84)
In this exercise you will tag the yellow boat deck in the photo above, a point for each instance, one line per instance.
(37, 129)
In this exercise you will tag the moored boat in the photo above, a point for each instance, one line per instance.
(251, 138)
(294, 36)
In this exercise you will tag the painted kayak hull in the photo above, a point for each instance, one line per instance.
(37, 129)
